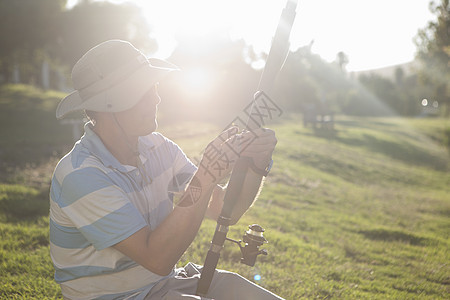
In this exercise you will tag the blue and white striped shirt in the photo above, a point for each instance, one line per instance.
(96, 202)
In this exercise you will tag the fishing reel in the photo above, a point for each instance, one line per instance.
(252, 240)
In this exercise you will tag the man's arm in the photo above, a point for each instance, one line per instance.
(252, 186)
(159, 250)
(260, 151)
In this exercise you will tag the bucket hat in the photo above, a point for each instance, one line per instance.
(112, 77)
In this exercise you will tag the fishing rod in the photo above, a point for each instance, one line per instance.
(253, 238)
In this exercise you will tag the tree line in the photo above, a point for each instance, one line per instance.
(40, 37)
(37, 32)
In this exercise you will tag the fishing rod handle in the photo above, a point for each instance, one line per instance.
(212, 257)
(223, 222)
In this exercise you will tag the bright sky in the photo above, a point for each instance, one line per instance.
(373, 34)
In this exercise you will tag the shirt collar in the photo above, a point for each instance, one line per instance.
(94, 144)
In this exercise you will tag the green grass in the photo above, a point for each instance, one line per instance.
(29, 131)
(360, 212)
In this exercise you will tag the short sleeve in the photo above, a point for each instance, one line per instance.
(182, 167)
(98, 208)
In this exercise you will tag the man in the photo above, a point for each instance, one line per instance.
(114, 230)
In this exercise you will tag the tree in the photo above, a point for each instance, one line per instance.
(26, 27)
(399, 76)
(433, 50)
(90, 23)
(342, 60)
(36, 31)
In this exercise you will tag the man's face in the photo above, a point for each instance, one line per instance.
(140, 120)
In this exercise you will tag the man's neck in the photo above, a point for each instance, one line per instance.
(123, 148)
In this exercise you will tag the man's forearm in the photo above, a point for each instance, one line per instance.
(159, 250)
(252, 186)
(250, 190)
(179, 229)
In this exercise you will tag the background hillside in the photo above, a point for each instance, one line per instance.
(360, 211)
(388, 72)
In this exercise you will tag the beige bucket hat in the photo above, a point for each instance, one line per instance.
(111, 77)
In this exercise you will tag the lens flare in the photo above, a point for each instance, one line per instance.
(197, 83)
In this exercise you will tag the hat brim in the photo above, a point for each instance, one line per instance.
(121, 96)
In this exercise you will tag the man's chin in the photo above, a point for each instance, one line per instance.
(150, 129)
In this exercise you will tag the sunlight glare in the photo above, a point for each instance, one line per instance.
(197, 82)
(197, 78)
(352, 26)
(252, 20)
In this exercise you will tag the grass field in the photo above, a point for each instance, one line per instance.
(360, 212)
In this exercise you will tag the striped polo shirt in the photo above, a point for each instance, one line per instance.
(96, 202)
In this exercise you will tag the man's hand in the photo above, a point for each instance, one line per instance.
(257, 145)
(221, 154)
(261, 144)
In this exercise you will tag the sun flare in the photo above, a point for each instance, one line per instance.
(255, 22)
(196, 82)
(197, 18)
